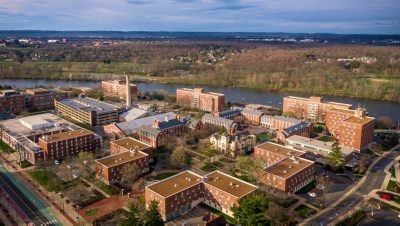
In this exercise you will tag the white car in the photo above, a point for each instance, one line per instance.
(57, 162)
(312, 194)
(75, 175)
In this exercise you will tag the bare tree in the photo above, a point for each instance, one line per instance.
(130, 172)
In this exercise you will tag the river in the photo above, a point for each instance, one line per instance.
(375, 108)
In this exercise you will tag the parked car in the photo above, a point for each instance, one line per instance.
(57, 162)
(75, 175)
(312, 194)
(386, 196)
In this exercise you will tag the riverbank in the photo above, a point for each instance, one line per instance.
(194, 81)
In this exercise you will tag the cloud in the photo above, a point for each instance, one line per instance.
(339, 16)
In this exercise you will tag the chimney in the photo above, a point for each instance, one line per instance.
(156, 123)
(177, 117)
(128, 92)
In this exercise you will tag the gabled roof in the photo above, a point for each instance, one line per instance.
(250, 111)
(293, 129)
(228, 113)
(130, 127)
(209, 118)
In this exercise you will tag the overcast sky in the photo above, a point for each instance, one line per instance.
(332, 16)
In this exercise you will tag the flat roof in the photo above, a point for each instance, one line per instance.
(358, 120)
(67, 135)
(312, 142)
(279, 149)
(21, 132)
(192, 90)
(229, 184)
(89, 104)
(288, 167)
(121, 158)
(346, 111)
(129, 143)
(176, 183)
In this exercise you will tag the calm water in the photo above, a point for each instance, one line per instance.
(375, 107)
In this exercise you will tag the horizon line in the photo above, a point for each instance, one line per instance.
(181, 31)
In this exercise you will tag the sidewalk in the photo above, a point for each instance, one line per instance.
(53, 207)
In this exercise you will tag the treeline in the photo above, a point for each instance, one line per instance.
(357, 71)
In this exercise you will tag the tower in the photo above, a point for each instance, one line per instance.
(128, 92)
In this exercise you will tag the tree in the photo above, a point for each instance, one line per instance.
(179, 156)
(323, 184)
(385, 122)
(152, 217)
(335, 158)
(251, 210)
(87, 160)
(209, 152)
(130, 173)
(134, 218)
(277, 213)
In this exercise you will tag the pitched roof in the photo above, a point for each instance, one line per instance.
(130, 127)
(211, 119)
(296, 127)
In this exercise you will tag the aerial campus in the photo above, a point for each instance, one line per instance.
(194, 160)
(199, 113)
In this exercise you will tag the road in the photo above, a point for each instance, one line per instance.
(25, 199)
(374, 180)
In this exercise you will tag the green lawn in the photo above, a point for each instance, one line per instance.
(219, 213)
(326, 139)
(5, 147)
(92, 212)
(209, 167)
(304, 211)
(47, 179)
(264, 137)
(393, 187)
(25, 164)
(109, 190)
(162, 176)
(392, 171)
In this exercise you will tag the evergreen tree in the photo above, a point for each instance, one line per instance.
(152, 217)
(251, 211)
(335, 157)
(133, 216)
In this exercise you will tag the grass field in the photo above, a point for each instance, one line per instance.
(5, 147)
(304, 211)
(46, 179)
(326, 139)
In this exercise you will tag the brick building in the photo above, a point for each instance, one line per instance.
(88, 111)
(179, 194)
(271, 153)
(286, 169)
(117, 88)
(278, 122)
(289, 175)
(199, 99)
(11, 101)
(353, 128)
(215, 121)
(67, 144)
(129, 144)
(110, 169)
(22, 134)
(41, 99)
(152, 135)
(313, 108)
(252, 116)
(302, 129)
